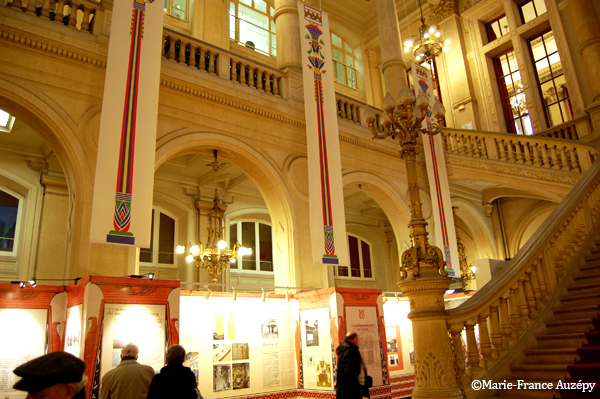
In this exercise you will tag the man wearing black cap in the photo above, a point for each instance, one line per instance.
(57, 375)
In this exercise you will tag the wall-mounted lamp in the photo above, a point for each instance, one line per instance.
(149, 276)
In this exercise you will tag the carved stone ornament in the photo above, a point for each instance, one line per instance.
(445, 9)
(431, 372)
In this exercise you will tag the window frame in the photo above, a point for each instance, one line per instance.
(346, 67)
(567, 99)
(15, 251)
(489, 30)
(155, 239)
(523, 4)
(255, 251)
(169, 10)
(360, 258)
(271, 22)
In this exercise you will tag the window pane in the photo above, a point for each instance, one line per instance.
(166, 239)
(504, 65)
(527, 125)
(352, 77)
(565, 107)
(528, 12)
(9, 207)
(543, 70)
(260, 5)
(354, 258)
(266, 248)
(349, 61)
(252, 33)
(166, 4)
(179, 8)
(247, 2)
(550, 43)
(540, 7)
(231, 27)
(366, 258)
(338, 55)
(342, 271)
(249, 241)
(336, 40)
(232, 240)
(561, 87)
(4, 117)
(554, 115)
(347, 48)
(503, 22)
(555, 64)
(253, 16)
(339, 72)
(549, 93)
(146, 254)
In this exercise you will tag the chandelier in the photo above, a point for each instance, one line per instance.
(216, 256)
(429, 44)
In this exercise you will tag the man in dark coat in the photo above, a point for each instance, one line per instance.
(174, 380)
(349, 368)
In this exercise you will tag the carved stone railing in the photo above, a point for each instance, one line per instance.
(214, 60)
(511, 307)
(349, 109)
(544, 152)
(567, 130)
(78, 14)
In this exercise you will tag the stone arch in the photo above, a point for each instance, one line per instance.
(518, 233)
(56, 126)
(263, 172)
(473, 217)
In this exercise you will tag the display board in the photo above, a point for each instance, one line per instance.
(396, 319)
(73, 330)
(363, 320)
(317, 349)
(22, 338)
(143, 325)
(245, 345)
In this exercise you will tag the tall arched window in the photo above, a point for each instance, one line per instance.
(343, 59)
(9, 218)
(252, 24)
(257, 236)
(360, 257)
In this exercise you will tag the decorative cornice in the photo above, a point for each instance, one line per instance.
(365, 144)
(230, 102)
(445, 9)
(513, 169)
(49, 48)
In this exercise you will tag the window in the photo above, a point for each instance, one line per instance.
(258, 237)
(6, 121)
(9, 214)
(177, 8)
(497, 28)
(343, 60)
(252, 24)
(532, 9)
(512, 95)
(360, 259)
(550, 78)
(162, 245)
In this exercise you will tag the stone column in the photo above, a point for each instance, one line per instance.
(288, 35)
(392, 62)
(435, 375)
(587, 28)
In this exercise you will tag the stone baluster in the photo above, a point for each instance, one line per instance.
(495, 332)
(212, 59)
(462, 145)
(251, 76)
(519, 153)
(523, 305)
(202, 61)
(527, 150)
(262, 80)
(270, 79)
(45, 9)
(511, 151)
(564, 162)
(536, 155)
(73, 15)
(484, 152)
(275, 85)
(554, 155)
(234, 70)
(181, 57)
(472, 349)
(457, 348)
(574, 160)
(513, 311)
(485, 345)
(529, 297)
(171, 52)
(341, 109)
(545, 159)
(85, 22)
(469, 144)
(60, 11)
(502, 150)
(535, 288)
(31, 6)
(505, 324)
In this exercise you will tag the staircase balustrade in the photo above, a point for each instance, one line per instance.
(348, 109)
(506, 307)
(76, 14)
(567, 130)
(544, 152)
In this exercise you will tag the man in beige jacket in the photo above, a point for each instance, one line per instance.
(129, 380)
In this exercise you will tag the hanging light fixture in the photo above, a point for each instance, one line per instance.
(216, 256)
(429, 44)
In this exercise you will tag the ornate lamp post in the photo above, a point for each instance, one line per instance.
(424, 278)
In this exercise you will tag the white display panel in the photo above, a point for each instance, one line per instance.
(363, 320)
(21, 339)
(316, 349)
(143, 325)
(396, 316)
(73, 331)
(239, 347)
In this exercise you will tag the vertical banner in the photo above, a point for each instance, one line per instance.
(122, 208)
(445, 233)
(326, 200)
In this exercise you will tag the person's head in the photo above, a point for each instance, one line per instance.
(57, 375)
(130, 351)
(352, 337)
(175, 355)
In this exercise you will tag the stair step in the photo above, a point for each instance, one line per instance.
(588, 278)
(589, 354)
(576, 312)
(585, 371)
(583, 289)
(540, 371)
(590, 267)
(593, 337)
(596, 321)
(581, 300)
(565, 356)
(569, 326)
(561, 341)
